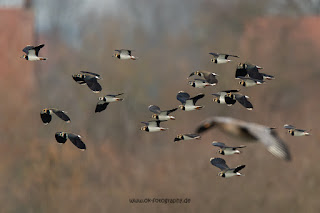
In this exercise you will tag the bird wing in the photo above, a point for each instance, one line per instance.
(228, 55)
(61, 114)
(238, 168)
(254, 73)
(183, 97)
(167, 112)
(154, 123)
(215, 55)
(288, 126)
(249, 131)
(37, 49)
(76, 140)
(210, 77)
(155, 109)
(219, 162)
(196, 98)
(101, 105)
(61, 137)
(193, 73)
(27, 49)
(92, 73)
(243, 101)
(192, 135)
(218, 144)
(93, 84)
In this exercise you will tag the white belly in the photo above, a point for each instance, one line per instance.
(33, 58)
(222, 60)
(125, 56)
(222, 100)
(155, 129)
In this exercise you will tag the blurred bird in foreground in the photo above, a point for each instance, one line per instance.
(248, 131)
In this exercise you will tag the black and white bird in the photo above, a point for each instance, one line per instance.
(227, 150)
(124, 54)
(249, 70)
(223, 98)
(210, 77)
(62, 137)
(46, 115)
(200, 83)
(226, 172)
(189, 104)
(186, 137)
(219, 58)
(90, 79)
(296, 132)
(161, 115)
(230, 97)
(153, 126)
(32, 53)
(105, 100)
(249, 82)
(248, 131)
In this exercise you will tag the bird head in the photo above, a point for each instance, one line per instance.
(181, 107)
(144, 128)
(155, 116)
(220, 151)
(216, 100)
(243, 83)
(221, 174)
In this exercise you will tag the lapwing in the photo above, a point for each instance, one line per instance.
(186, 137)
(242, 99)
(90, 79)
(46, 115)
(249, 132)
(249, 82)
(226, 172)
(227, 150)
(124, 54)
(219, 58)
(248, 69)
(189, 104)
(209, 76)
(161, 115)
(296, 132)
(153, 126)
(62, 137)
(32, 53)
(105, 100)
(200, 83)
(222, 98)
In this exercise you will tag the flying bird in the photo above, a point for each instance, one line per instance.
(46, 115)
(296, 132)
(230, 97)
(249, 82)
(124, 54)
(200, 83)
(209, 76)
(219, 58)
(32, 53)
(226, 172)
(186, 137)
(153, 126)
(227, 150)
(161, 115)
(62, 137)
(250, 70)
(189, 104)
(105, 100)
(248, 131)
(90, 79)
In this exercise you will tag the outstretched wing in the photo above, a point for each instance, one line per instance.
(219, 162)
(155, 109)
(61, 114)
(243, 101)
(101, 105)
(218, 144)
(37, 49)
(288, 126)
(210, 77)
(93, 84)
(76, 140)
(238, 168)
(183, 97)
(28, 48)
(92, 73)
(196, 98)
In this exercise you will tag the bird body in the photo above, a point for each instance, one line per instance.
(210, 77)
(124, 54)
(189, 104)
(226, 172)
(46, 115)
(200, 83)
(90, 79)
(227, 150)
(161, 115)
(221, 58)
(153, 126)
(187, 137)
(104, 101)
(296, 132)
(32, 53)
(61, 137)
(249, 82)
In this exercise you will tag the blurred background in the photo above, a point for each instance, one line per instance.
(172, 38)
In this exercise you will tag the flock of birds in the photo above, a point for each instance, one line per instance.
(249, 75)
